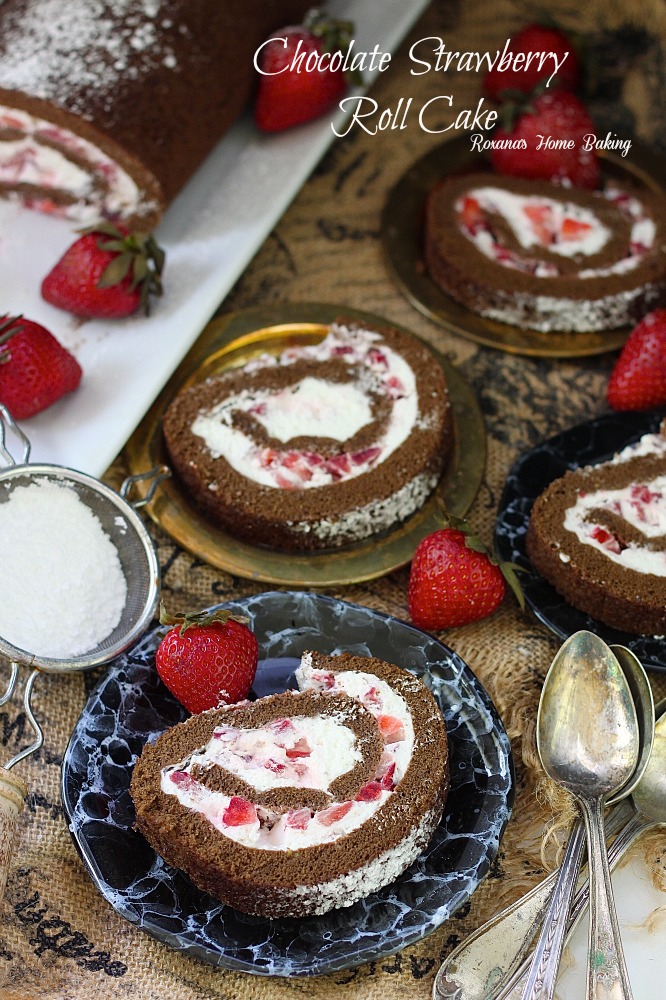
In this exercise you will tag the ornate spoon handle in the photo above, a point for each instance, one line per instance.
(607, 974)
(490, 958)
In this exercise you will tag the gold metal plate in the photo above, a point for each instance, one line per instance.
(231, 341)
(401, 235)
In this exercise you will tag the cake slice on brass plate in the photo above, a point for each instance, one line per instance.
(548, 258)
(321, 446)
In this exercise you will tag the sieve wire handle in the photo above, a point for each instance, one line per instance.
(7, 421)
(153, 476)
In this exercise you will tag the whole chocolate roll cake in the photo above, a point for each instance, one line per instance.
(107, 107)
(548, 258)
(300, 802)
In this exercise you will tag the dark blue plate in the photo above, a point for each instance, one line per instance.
(130, 705)
(588, 443)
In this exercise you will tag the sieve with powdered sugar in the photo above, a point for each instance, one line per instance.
(79, 583)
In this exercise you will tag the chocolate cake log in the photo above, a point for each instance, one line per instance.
(547, 258)
(598, 535)
(319, 447)
(300, 802)
(108, 108)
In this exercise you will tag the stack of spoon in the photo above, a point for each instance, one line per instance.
(598, 735)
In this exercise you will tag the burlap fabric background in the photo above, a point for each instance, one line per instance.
(58, 938)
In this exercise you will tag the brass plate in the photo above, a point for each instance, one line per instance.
(401, 236)
(231, 341)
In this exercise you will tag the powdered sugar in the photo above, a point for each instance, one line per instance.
(53, 48)
(62, 588)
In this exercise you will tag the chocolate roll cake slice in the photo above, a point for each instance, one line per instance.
(547, 258)
(107, 108)
(300, 802)
(321, 446)
(598, 535)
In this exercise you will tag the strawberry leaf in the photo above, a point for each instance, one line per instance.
(509, 572)
(199, 618)
(116, 270)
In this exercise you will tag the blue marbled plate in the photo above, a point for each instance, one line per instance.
(130, 705)
(588, 443)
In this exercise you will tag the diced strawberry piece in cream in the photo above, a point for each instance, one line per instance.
(182, 779)
(643, 494)
(268, 456)
(540, 217)
(298, 819)
(301, 748)
(335, 812)
(239, 812)
(258, 408)
(377, 358)
(471, 215)
(281, 725)
(369, 792)
(323, 681)
(366, 455)
(572, 229)
(606, 539)
(373, 697)
(342, 349)
(275, 766)
(312, 458)
(394, 387)
(386, 779)
(284, 482)
(391, 729)
(338, 465)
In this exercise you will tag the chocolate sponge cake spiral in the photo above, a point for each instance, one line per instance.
(547, 258)
(598, 535)
(323, 445)
(107, 107)
(304, 801)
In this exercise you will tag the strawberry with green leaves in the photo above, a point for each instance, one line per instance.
(35, 369)
(528, 42)
(107, 273)
(558, 116)
(297, 82)
(638, 379)
(455, 579)
(207, 658)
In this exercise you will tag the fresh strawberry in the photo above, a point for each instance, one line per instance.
(106, 273)
(548, 117)
(455, 580)
(207, 658)
(297, 82)
(535, 38)
(638, 380)
(35, 369)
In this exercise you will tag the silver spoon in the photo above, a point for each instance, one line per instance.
(588, 742)
(649, 797)
(492, 958)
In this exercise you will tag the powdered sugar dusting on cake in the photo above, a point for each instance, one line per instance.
(81, 47)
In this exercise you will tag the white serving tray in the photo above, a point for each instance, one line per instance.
(210, 234)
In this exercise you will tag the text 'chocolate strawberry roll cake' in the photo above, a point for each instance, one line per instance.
(107, 107)
(598, 535)
(304, 801)
(548, 258)
(323, 445)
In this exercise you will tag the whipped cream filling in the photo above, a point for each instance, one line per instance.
(38, 159)
(563, 228)
(299, 752)
(315, 407)
(643, 506)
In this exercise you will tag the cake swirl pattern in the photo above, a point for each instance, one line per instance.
(322, 445)
(598, 534)
(258, 812)
(547, 258)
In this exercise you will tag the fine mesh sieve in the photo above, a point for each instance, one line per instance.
(138, 560)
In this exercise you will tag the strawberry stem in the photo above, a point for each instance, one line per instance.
(199, 618)
(9, 325)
